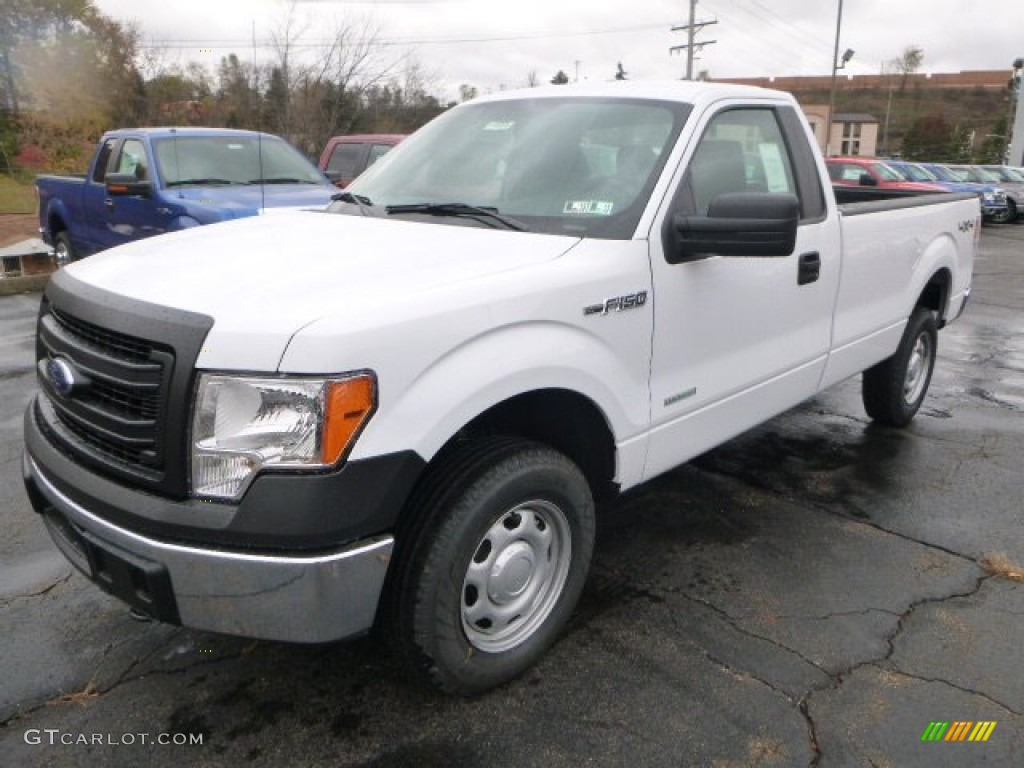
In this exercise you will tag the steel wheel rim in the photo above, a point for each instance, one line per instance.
(515, 576)
(917, 369)
(61, 254)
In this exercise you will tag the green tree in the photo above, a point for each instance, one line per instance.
(560, 78)
(929, 138)
(992, 148)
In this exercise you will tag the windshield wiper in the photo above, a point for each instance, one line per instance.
(201, 183)
(281, 180)
(459, 209)
(364, 203)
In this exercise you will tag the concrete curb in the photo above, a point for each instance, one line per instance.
(9, 286)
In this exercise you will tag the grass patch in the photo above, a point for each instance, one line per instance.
(16, 195)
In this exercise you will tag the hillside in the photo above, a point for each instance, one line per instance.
(977, 109)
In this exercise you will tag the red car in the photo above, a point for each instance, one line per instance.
(870, 172)
(345, 157)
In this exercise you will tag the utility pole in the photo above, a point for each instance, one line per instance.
(1014, 154)
(832, 90)
(691, 32)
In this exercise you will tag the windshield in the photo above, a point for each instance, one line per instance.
(944, 173)
(220, 160)
(886, 173)
(916, 172)
(983, 176)
(581, 167)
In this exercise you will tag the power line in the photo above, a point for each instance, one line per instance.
(187, 43)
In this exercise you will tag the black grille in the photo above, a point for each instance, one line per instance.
(117, 417)
(117, 345)
(134, 363)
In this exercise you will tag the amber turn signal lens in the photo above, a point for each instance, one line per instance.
(349, 405)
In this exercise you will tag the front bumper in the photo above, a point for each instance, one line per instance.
(305, 598)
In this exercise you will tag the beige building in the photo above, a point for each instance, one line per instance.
(853, 133)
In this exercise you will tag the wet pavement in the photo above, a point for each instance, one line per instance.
(816, 592)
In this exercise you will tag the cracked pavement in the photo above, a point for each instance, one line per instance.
(813, 593)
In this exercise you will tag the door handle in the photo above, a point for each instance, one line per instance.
(809, 268)
(108, 204)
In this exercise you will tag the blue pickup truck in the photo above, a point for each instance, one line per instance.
(147, 181)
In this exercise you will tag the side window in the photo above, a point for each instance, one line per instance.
(132, 160)
(853, 172)
(344, 160)
(742, 150)
(99, 173)
(377, 151)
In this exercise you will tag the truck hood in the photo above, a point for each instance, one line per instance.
(233, 202)
(263, 279)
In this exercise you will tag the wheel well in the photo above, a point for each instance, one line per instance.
(936, 294)
(564, 420)
(57, 225)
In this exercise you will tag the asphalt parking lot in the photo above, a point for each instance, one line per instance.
(816, 592)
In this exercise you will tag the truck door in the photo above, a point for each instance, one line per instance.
(739, 339)
(130, 217)
(94, 215)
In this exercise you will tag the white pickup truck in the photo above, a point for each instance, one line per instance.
(398, 413)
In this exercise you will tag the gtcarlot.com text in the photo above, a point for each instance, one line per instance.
(56, 737)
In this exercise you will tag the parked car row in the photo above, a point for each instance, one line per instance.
(1000, 189)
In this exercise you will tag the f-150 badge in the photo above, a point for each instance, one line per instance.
(617, 304)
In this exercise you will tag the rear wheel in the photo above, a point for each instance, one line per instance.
(504, 530)
(894, 389)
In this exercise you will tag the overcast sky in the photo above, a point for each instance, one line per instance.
(492, 44)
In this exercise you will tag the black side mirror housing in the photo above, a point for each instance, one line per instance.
(867, 180)
(737, 224)
(126, 185)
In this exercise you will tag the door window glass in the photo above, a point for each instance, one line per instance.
(132, 160)
(344, 160)
(741, 151)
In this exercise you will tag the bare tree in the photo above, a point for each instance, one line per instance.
(323, 88)
(907, 63)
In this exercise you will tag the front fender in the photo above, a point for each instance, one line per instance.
(497, 365)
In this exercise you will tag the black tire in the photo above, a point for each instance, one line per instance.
(894, 389)
(1006, 215)
(63, 252)
(500, 526)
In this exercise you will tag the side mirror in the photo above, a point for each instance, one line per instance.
(867, 180)
(737, 224)
(126, 185)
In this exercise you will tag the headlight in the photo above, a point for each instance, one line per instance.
(242, 425)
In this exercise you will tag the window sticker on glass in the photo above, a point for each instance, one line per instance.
(592, 207)
(499, 125)
(774, 168)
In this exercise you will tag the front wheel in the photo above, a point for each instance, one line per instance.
(894, 389)
(63, 252)
(504, 535)
(1005, 215)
